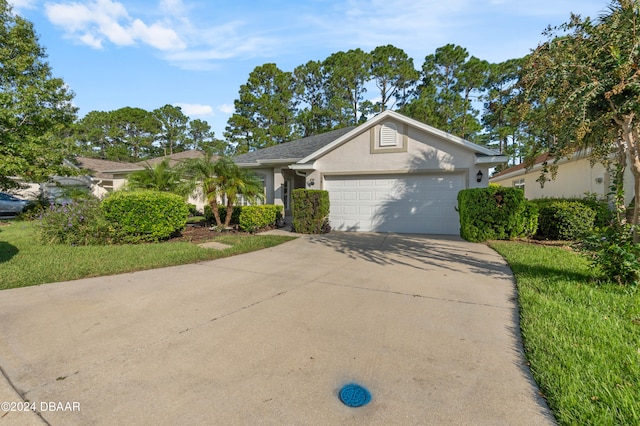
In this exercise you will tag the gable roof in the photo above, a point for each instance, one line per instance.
(307, 150)
(293, 151)
(479, 150)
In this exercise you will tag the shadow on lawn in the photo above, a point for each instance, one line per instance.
(7, 251)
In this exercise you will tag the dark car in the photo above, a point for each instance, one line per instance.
(10, 205)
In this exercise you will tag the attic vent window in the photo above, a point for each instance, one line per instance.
(388, 135)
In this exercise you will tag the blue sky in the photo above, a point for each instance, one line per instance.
(197, 53)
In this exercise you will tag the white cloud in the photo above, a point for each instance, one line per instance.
(98, 21)
(227, 108)
(22, 4)
(196, 109)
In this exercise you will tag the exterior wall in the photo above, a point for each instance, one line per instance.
(574, 179)
(418, 152)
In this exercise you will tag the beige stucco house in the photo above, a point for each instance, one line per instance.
(390, 174)
(575, 178)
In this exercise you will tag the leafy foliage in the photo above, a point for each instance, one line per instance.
(253, 218)
(565, 220)
(613, 251)
(264, 111)
(80, 222)
(223, 179)
(146, 215)
(310, 211)
(495, 213)
(444, 97)
(36, 111)
(159, 177)
(584, 79)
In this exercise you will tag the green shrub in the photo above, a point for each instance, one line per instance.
(310, 211)
(193, 210)
(565, 220)
(253, 218)
(495, 213)
(146, 215)
(603, 213)
(614, 253)
(75, 223)
(222, 210)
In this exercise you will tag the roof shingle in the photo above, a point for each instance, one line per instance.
(294, 150)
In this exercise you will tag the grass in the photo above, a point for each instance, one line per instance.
(582, 339)
(24, 261)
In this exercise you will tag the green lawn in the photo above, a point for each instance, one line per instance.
(24, 261)
(582, 339)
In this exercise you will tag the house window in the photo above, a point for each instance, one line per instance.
(259, 201)
(519, 184)
(388, 135)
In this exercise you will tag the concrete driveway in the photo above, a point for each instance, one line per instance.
(427, 324)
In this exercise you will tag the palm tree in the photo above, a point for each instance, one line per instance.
(161, 177)
(234, 182)
(223, 180)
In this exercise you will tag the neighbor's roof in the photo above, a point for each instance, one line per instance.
(294, 150)
(105, 169)
(522, 166)
(174, 158)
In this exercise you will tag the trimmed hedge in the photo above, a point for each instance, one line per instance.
(235, 216)
(146, 215)
(495, 213)
(253, 218)
(565, 220)
(310, 211)
(603, 213)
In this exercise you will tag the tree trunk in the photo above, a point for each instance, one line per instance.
(227, 220)
(216, 214)
(630, 136)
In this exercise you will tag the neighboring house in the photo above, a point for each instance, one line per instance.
(108, 176)
(575, 178)
(390, 174)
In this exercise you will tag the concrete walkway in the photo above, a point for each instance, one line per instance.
(427, 324)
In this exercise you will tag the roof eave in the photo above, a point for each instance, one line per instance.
(491, 160)
(304, 166)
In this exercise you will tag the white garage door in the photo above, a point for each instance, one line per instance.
(420, 204)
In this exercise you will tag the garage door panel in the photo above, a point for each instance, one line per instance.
(407, 204)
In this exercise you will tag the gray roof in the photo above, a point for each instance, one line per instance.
(294, 150)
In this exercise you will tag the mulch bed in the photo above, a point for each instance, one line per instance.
(200, 234)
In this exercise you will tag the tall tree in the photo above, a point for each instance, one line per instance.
(585, 78)
(35, 108)
(93, 134)
(500, 119)
(135, 129)
(264, 112)
(394, 74)
(444, 98)
(202, 138)
(173, 128)
(313, 114)
(347, 76)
